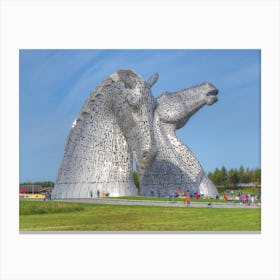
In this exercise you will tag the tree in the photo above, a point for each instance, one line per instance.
(45, 184)
(241, 174)
(136, 180)
(256, 176)
(216, 177)
(219, 177)
(233, 177)
(224, 175)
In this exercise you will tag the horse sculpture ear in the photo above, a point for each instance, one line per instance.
(127, 77)
(152, 80)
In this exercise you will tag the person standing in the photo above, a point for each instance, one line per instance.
(91, 193)
(188, 200)
(249, 199)
(50, 196)
(98, 193)
(240, 198)
(252, 199)
(243, 197)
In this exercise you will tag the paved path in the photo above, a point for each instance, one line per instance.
(162, 203)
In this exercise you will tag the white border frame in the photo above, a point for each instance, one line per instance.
(155, 24)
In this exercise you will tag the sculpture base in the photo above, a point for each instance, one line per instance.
(83, 190)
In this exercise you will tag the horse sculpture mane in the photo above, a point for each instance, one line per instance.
(115, 122)
(175, 166)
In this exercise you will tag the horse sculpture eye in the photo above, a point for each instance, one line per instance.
(134, 103)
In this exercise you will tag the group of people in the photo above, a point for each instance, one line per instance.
(184, 193)
(99, 194)
(248, 199)
(188, 196)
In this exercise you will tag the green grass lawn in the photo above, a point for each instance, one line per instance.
(67, 216)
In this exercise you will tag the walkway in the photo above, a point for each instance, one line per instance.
(162, 203)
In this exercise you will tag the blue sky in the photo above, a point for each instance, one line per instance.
(55, 83)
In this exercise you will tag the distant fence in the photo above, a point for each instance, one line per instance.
(246, 185)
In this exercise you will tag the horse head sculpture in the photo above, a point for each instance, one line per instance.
(179, 106)
(115, 122)
(133, 108)
(175, 166)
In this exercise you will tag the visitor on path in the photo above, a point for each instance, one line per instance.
(50, 196)
(98, 193)
(240, 197)
(259, 196)
(253, 199)
(225, 197)
(91, 193)
(249, 199)
(188, 200)
(243, 197)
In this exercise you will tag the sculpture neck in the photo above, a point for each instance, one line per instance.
(170, 147)
(165, 133)
(96, 151)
